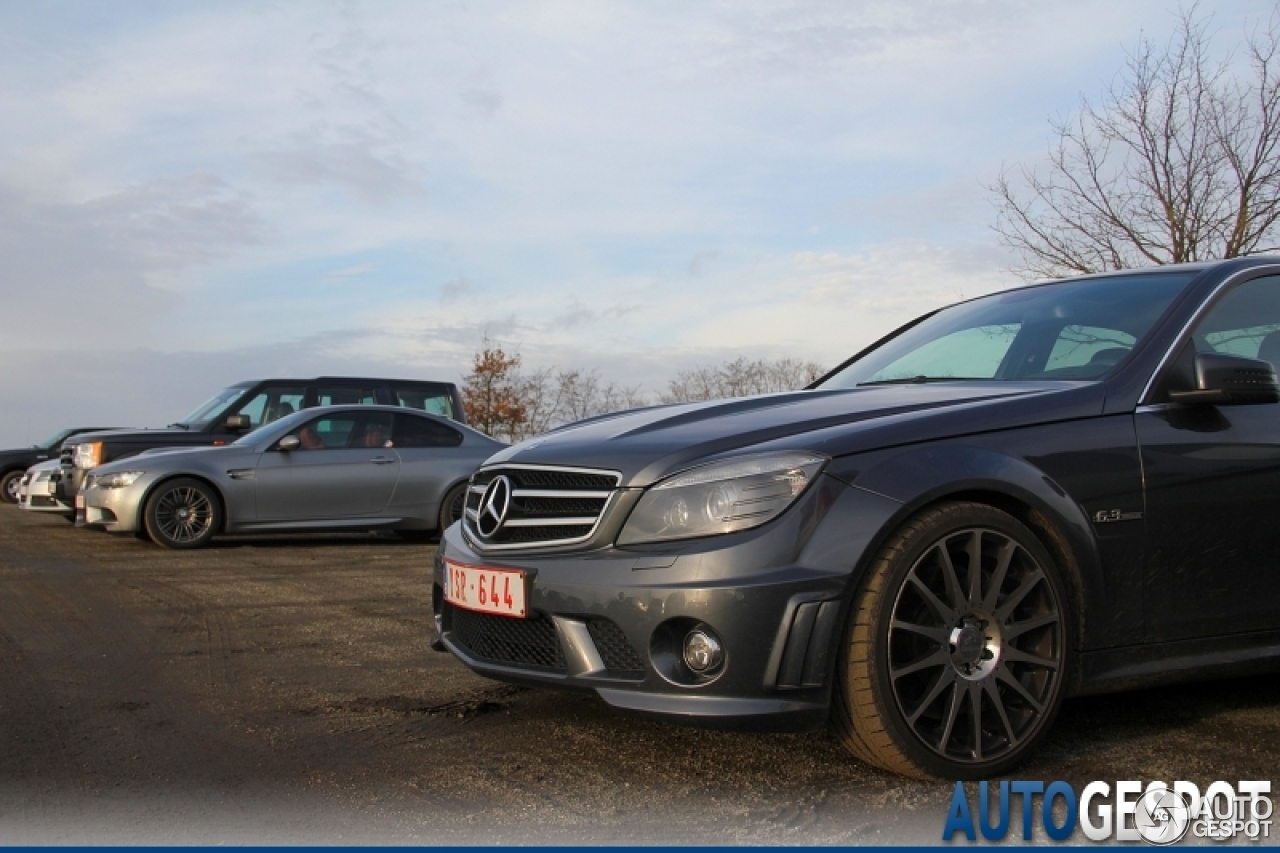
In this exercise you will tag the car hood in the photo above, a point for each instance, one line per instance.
(646, 445)
(171, 459)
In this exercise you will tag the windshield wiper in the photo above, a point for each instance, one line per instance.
(179, 425)
(920, 380)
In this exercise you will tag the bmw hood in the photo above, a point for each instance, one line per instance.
(646, 445)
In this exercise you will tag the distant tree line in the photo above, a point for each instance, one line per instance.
(511, 404)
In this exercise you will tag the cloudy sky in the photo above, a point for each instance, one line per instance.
(196, 193)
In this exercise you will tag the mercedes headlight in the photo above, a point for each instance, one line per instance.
(722, 497)
(115, 480)
(87, 455)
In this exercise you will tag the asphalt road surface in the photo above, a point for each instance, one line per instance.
(282, 691)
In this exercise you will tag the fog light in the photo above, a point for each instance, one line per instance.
(702, 652)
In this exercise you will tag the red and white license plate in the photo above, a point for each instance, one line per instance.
(485, 589)
(79, 501)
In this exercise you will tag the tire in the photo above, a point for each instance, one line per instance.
(9, 483)
(940, 680)
(183, 513)
(451, 507)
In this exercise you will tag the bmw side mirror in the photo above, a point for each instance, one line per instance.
(235, 423)
(1230, 380)
(289, 442)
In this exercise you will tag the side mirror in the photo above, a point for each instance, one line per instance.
(235, 423)
(1231, 380)
(289, 442)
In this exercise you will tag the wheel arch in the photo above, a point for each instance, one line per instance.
(463, 481)
(183, 475)
(925, 477)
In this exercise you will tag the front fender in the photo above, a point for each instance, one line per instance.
(920, 476)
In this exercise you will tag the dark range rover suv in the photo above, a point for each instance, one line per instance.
(1065, 488)
(245, 406)
(14, 463)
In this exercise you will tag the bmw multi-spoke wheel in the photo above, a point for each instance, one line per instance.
(452, 506)
(183, 513)
(957, 649)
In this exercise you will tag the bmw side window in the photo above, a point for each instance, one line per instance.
(421, 432)
(328, 433)
(372, 430)
(1244, 322)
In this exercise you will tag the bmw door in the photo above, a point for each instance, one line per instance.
(343, 468)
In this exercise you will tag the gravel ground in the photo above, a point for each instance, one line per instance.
(282, 691)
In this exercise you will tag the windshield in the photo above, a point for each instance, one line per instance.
(55, 439)
(1067, 331)
(214, 407)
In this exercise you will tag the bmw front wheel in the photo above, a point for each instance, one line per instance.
(957, 647)
(182, 513)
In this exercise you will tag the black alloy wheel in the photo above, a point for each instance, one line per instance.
(9, 484)
(183, 513)
(958, 647)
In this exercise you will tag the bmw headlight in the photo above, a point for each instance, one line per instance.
(722, 497)
(115, 480)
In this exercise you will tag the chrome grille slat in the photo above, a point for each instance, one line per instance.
(549, 522)
(548, 506)
(558, 493)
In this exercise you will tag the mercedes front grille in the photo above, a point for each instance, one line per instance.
(531, 506)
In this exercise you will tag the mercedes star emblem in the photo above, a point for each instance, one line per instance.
(493, 506)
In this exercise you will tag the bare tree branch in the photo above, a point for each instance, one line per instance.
(1179, 161)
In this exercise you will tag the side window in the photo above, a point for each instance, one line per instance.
(338, 396)
(373, 429)
(1091, 347)
(272, 403)
(432, 402)
(331, 432)
(1244, 322)
(973, 353)
(423, 432)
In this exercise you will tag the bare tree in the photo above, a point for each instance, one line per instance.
(739, 378)
(1180, 161)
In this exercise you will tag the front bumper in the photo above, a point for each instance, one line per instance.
(613, 620)
(115, 510)
(38, 494)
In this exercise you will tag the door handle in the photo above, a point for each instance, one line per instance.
(381, 460)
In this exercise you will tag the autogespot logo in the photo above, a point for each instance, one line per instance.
(1126, 811)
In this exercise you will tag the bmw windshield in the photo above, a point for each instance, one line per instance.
(1069, 331)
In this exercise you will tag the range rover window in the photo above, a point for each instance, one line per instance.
(431, 402)
(339, 396)
(1069, 331)
(271, 404)
(214, 407)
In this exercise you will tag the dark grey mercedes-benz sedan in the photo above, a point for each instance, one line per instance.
(1065, 488)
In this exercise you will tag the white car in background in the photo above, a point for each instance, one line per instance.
(36, 489)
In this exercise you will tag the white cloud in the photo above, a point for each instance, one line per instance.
(633, 185)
